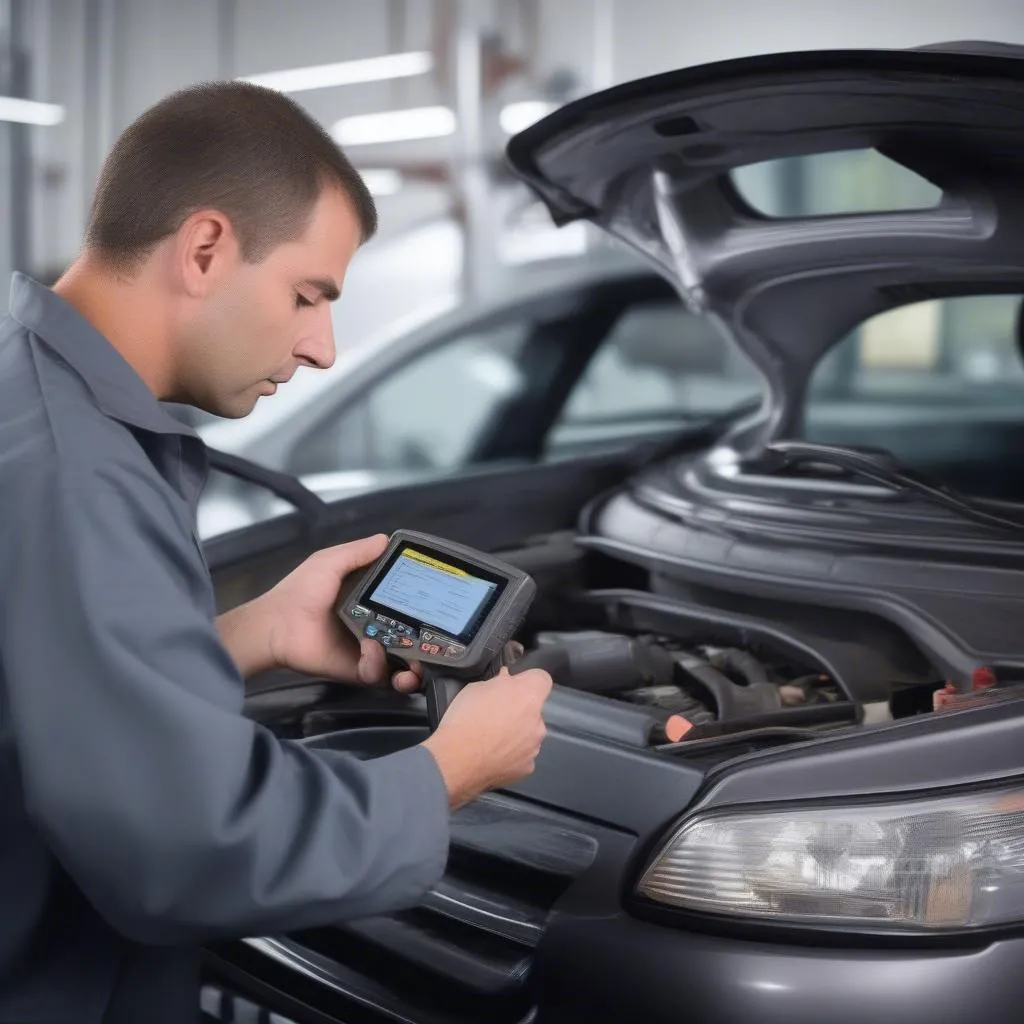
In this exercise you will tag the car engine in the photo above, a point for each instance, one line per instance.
(703, 683)
(677, 689)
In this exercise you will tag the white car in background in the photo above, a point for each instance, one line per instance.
(428, 394)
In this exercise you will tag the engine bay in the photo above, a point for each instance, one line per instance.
(694, 690)
(638, 663)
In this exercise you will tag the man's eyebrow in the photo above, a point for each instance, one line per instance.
(326, 286)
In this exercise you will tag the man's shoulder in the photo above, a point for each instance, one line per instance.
(61, 452)
(50, 424)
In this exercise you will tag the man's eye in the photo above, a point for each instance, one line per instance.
(301, 300)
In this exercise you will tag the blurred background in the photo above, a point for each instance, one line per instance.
(423, 95)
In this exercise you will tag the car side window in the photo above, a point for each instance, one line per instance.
(939, 384)
(659, 365)
(426, 414)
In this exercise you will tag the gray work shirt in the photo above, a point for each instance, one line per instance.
(140, 813)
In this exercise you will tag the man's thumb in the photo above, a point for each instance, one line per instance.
(356, 554)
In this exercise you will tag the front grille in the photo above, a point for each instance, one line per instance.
(221, 1004)
(465, 953)
(467, 949)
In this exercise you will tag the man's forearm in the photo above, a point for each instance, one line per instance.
(246, 638)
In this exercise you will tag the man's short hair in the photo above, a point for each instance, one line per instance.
(245, 150)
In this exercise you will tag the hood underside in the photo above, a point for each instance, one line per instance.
(651, 162)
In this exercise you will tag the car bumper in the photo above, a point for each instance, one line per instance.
(618, 969)
(624, 969)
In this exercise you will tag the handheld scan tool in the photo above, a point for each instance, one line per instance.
(446, 606)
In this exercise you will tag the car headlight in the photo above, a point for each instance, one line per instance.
(918, 865)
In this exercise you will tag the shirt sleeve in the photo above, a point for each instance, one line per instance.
(181, 820)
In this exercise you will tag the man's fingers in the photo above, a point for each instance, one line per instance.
(372, 662)
(409, 680)
(344, 558)
(373, 669)
(406, 682)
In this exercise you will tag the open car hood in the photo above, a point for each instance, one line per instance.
(650, 162)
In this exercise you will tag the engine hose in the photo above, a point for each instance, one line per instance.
(607, 662)
(743, 663)
(732, 700)
(577, 711)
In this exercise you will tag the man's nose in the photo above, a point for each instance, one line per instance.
(317, 346)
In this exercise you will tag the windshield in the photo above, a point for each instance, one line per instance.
(938, 383)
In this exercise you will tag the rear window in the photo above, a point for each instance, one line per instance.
(829, 184)
(940, 384)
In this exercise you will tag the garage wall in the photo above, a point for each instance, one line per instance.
(651, 36)
(59, 195)
(143, 49)
(175, 44)
(5, 193)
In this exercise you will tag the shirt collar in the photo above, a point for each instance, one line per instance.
(117, 389)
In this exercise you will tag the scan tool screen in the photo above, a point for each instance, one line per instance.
(431, 592)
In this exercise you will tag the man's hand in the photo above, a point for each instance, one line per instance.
(491, 734)
(294, 625)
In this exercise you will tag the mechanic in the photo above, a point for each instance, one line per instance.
(141, 813)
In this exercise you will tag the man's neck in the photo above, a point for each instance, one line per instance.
(128, 314)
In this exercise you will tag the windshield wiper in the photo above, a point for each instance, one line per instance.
(702, 430)
(885, 470)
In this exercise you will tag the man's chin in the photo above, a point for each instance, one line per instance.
(238, 405)
(236, 409)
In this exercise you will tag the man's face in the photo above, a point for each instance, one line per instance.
(262, 321)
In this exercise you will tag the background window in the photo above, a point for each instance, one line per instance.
(829, 184)
(940, 384)
(424, 415)
(658, 365)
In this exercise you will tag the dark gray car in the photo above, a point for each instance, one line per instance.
(783, 779)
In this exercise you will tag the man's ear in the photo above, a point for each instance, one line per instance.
(207, 247)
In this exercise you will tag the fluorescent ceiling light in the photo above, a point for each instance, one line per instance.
(30, 111)
(515, 117)
(395, 126)
(382, 181)
(428, 123)
(349, 72)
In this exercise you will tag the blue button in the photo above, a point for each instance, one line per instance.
(372, 629)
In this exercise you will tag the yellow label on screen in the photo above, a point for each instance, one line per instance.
(433, 562)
